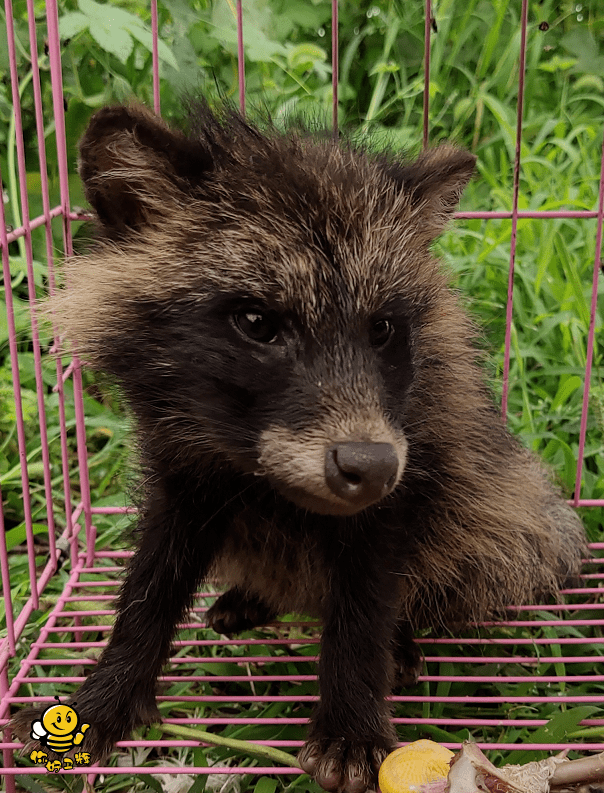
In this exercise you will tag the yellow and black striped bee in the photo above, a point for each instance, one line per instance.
(58, 728)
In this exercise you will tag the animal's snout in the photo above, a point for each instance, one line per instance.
(334, 478)
(361, 473)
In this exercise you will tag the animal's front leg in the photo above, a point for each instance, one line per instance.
(351, 732)
(176, 549)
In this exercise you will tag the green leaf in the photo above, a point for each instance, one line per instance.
(144, 37)
(112, 39)
(568, 385)
(114, 30)
(259, 47)
(558, 64)
(72, 23)
(200, 783)
(581, 42)
(384, 67)
(151, 782)
(29, 783)
(589, 82)
(305, 55)
(17, 535)
(200, 760)
(557, 729)
(108, 13)
(265, 785)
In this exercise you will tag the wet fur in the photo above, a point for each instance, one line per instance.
(232, 433)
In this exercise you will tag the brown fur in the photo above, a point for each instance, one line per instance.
(241, 435)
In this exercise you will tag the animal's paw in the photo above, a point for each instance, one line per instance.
(409, 666)
(408, 658)
(33, 727)
(98, 723)
(236, 611)
(344, 766)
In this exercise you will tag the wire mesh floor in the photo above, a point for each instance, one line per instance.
(261, 686)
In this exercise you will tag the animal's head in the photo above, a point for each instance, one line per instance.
(265, 299)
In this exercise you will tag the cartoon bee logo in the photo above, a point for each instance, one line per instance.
(58, 728)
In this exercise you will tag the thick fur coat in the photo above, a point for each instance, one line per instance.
(311, 415)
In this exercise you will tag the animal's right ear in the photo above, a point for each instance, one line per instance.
(434, 183)
(134, 167)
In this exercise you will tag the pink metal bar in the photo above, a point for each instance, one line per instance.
(135, 770)
(33, 46)
(25, 666)
(591, 699)
(8, 760)
(155, 55)
(456, 723)
(12, 335)
(35, 223)
(486, 215)
(503, 642)
(591, 333)
(529, 213)
(335, 66)
(519, 115)
(288, 659)
(54, 55)
(78, 680)
(240, 57)
(54, 48)
(8, 604)
(426, 93)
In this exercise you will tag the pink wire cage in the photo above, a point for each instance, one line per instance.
(539, 655)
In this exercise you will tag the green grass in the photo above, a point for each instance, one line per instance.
(473, 92)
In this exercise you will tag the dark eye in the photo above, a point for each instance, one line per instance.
(257, 325)
(380, 332)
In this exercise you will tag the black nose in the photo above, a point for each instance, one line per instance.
(361, 473)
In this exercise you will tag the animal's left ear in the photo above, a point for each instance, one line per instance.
(435, 182)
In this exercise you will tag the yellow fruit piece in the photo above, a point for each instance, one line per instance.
(407, 768)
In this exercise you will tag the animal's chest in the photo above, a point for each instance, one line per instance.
(285, 569)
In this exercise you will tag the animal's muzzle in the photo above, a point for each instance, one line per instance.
(361, 473)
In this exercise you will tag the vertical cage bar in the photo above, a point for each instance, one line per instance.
(33, 46)
(516, 190)
(56, 76)
(240, 57)
(426, 96)
(155, 51)
(8, 603)
(335, 65)
(52, 17)
(12, 334)
(59, 388)
(8, 757)
(591, 334)
(10, 640)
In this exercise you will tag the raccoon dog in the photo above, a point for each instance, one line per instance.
(310, 411)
